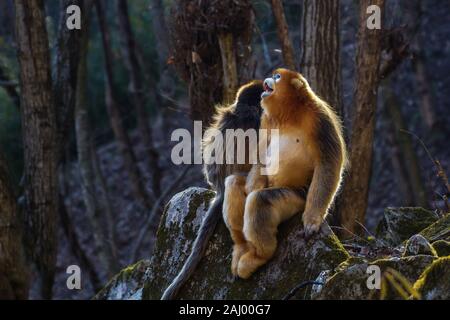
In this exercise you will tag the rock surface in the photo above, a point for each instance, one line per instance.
(434, 283)
(127, 285)
(295, 261)
(442, 248)
(350, 282)
(323, 258)
(418, 244)
(399, 224)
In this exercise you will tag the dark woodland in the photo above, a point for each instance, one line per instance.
(87, 116)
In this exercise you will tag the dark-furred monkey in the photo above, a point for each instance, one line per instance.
(244, 113)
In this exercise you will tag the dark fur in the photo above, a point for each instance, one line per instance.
(244, 114)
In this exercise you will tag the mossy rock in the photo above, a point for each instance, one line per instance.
(350, 280)
(439, 230)
(442, 248)
(127, 285)
(295, 260)
(434, 283)
(399, 224)
(418, 244)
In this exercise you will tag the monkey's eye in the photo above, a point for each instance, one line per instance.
(277, 77)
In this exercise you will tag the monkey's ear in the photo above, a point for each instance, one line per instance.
(297, 83)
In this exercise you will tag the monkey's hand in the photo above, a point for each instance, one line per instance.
(312, 220)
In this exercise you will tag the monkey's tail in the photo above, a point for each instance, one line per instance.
(207, 228)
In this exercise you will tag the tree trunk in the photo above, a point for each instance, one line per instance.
(10, 87)
(405, 159)
(160, 31)
(283, 34)
(230, 74)
(123, 140)
(195, 28)
(424, 90)
(7, 20)
(414, 13)
(136, 90)
(14, 277)
(69, 230)
(39, 131)
(65, 82)
(104, 242)
(354, 196)
(320, 61)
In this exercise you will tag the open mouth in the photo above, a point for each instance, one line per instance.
(268, 88)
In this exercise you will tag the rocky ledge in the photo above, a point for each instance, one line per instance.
(410, 250)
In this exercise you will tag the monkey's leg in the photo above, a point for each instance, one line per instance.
(264, 211)
(233, 215)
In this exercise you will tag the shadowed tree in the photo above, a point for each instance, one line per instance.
(136, 91)
(10, 87)
(115, 117)
(404, 159)
(160, 30)
(14, 277)
(355, 192)
(414, 13)
(320, 59)
(65, 82)
(283, 34)
(40, 136)
(98, 212)
(210, 46)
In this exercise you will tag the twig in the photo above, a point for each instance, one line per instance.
(440, 170)
(370, 234)
(353, 234)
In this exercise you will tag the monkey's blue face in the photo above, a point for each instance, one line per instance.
(269, 85)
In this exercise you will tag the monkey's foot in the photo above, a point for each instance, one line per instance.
(238, 251)
(249, 263)
(311, 223)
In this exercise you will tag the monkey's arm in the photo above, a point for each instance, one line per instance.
(326, 179)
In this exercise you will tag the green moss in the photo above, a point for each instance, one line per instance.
(126, 283)
(434, 283)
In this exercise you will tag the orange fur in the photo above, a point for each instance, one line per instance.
(312, 156)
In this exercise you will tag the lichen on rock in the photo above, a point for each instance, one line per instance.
(127, 285)
(322, 258)
(294, 261)
(350, 280)
(439, 230)
(434, 283)
(399, 224)
(418, 244)
(442, 248)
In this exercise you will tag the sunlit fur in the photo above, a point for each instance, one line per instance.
(312, 157)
